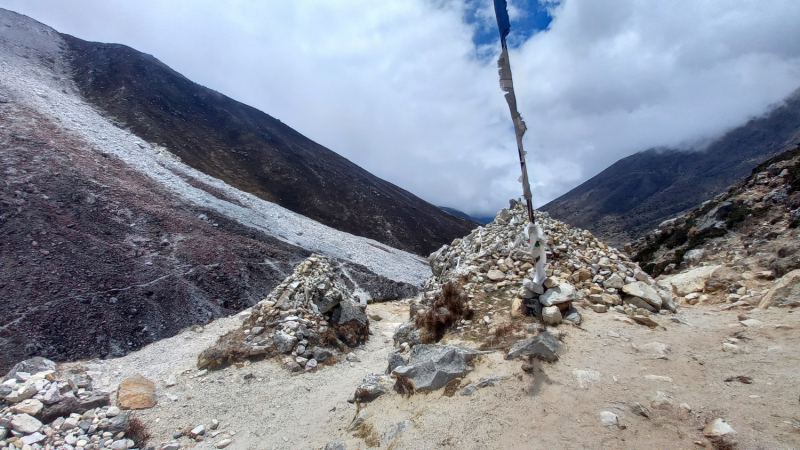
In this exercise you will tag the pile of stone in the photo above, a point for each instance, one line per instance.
(41, 412)
(580, 269)
(313, 313)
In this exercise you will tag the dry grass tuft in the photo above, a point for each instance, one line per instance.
(447, 307)
(404, 386)
(137, 430)
(366, 431)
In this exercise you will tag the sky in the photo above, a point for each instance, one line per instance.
(408, 89)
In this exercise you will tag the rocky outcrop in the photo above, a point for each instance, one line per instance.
(318, 305)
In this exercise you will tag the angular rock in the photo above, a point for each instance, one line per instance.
(32, 366)
(372, 387)
(284, 343)
(644, 320)
(119, 423)
(496, 275)
(30, 406)
(585, 376)
(785, 293)
(321, 354)
(544, 346)
(518, 309)
(717, 428)
(572, 315)
(335, 445)
(562, 293)
(614, 282)
(72, 405)
(395, 360)
(551, 315)
(660, 401)
(690, 281)
(638, 302)
(351, 324)
(392, 432)
(609, 419)
(645, 292)
(640, 410)
(136, 392)
(431, 367)
(25, 423)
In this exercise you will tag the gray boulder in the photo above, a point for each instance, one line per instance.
(321, 354)
(431, 367)
(545, 346)
(645, 292)
(395, 360)
(32, 366)
(284, 343)
(372, 387)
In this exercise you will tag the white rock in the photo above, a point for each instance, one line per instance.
(25, 424)
(551, 315)
(223, 443)
(717, 428)
(752, 323)
(731, 348)
(113, 411)
(609, 418)
(585, 376)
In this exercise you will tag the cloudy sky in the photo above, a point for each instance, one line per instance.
(408, 89)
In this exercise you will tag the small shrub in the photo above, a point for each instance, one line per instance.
(447, 307)
(137, 430)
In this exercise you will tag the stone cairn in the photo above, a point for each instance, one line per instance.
(580, 270)
(310, 315)
(41, 412)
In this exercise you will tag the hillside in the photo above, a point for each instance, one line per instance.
(108, 243)
(636, 193)
(251, 150)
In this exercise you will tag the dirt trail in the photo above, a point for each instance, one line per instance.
(546, 410)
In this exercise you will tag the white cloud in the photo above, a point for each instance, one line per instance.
(398, 87)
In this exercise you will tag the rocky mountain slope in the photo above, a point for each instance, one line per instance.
(635, 194)
(108, 243)
(741, 247)
(252, 151)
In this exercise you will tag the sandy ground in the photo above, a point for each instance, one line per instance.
(547, 410)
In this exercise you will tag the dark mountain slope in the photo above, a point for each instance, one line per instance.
(252, 151)
(636, 193)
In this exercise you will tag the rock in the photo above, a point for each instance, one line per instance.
(645, 292)
(33, 438)
(351, 357)
(119, 423)
(717, 428)
(198, 430)
(392, 432)
(658, 378)
(23, 393)
(644, 320)
(609, 418)
(640, 410)
(599, 308)
(722, 278)
(784, 293)
(52, 395)
(358, 421)
(551, 315)
(395, 360)
(112, 411)
(639, 303)
(614, 282)
(432, 366)
(30, 406)
(310, 365)
(136, 392)
(25, 423)
(544, 346)
(350, 323)
(335, 445)
(585, 376)
(692, 257)
(226, 442)
(321, 354)
(562, 293)
(731, 348)
(572, 315)
(496, 275)
(752, 323)
(518, 309)
(660, 401)
(120, 444)
(31, 366)
(407, 332)
(170, 446)
(293, 366)
(469, 389)
(690, 281)
(532, 286)
(284, 343)
(72, 405)
(372, 387)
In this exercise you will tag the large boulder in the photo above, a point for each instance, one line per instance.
(562, 293)
(136, 392)
(786, 292)
(690, 281)
(350, 323)
(544, 346)
(431, 367)
(645, 292)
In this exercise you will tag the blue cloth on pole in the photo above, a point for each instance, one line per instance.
(503, 22)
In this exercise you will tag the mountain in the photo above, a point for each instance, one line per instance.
(251, 150)
(636, 193)
(109, 243)
(458, 213)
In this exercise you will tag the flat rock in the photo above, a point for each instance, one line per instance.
(72, 405)
(690, 281)
(496, 275)
(585, 376)
(136, 392)
(645, 292)
(544, 346)
(752, 323)
(25, 423)
(562, 293)
(644, 320)
(30, 406)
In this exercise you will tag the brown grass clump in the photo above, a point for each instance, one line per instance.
(404, 386)
(502, 338)
(230, 348)
(447, 307)
(367, 432)
(451, 388)
(137, 430)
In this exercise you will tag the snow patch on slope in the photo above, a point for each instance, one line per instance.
(33, 72)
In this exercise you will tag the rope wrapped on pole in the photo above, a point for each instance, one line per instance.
(507, 85)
